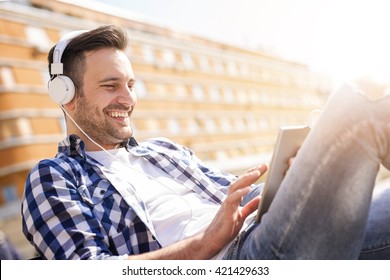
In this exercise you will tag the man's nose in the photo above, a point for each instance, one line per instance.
(127, 96)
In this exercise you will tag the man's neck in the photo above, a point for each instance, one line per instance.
(93, 146)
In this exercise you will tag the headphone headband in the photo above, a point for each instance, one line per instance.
(57, 66)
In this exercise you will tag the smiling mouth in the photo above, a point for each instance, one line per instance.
(118, 114)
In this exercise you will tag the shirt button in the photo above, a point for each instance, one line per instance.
(102, 192)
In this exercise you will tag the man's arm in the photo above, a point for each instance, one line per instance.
(55, 218)
(223, 229)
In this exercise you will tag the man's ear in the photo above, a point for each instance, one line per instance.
(71, 106)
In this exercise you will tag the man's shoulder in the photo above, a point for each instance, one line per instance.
(157, 140)
(60, 162)
(160, 142)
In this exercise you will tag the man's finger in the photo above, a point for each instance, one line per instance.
(248, 178)
(250, 207)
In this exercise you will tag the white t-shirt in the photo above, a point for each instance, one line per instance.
(176, 211)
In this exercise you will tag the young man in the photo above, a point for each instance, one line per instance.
(104, 196)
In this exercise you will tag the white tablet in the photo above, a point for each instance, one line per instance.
(289, 140)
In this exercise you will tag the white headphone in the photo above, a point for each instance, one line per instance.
(61, 88)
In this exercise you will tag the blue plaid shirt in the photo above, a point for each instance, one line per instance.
(71, 210)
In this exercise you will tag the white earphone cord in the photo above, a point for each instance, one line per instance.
(86, 135)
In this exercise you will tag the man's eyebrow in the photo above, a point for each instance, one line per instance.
(109, 79)
(114, 79)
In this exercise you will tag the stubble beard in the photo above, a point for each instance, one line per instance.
(96, 125)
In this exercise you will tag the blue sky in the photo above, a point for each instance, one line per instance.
(343, 38)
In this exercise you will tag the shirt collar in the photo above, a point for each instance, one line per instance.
(73, 146)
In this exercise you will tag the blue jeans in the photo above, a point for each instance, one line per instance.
(323, 208)
(376, 244)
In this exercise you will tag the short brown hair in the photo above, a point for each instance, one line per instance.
(73, 58)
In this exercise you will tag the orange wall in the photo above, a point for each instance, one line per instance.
(9, 101)
(28, 152)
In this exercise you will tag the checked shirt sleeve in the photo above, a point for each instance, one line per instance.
(221, 178)
(56, 220)
(224, 179)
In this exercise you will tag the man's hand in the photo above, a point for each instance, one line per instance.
(223, 229)
(231, 216)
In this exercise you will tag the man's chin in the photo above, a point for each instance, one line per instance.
(124, 137)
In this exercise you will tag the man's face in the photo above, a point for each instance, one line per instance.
(104, 110)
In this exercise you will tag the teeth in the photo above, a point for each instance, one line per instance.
(118, 114)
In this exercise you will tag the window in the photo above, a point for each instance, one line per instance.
(239, 124)
(228, 95)
(251, 122)
(244, 70)
(218, 67)
(180, 91)
(15, 128)
(173, 126)
(232, 68)
(148, 54)
(225, 125)
(204, 64)
(160, 89)
(210, 125)
(24, 127)
(38, 38)
(7, 77)
(263, 124)
(187, 61)
(156, 89)
(265, 75)
(253, 96)
(197, 92)
(214, 94)
(152, 125)
(254, 72)
(169, 57)
(242, 96)
(264, 99)
(192, 126)
(221, 155)
(140, 89)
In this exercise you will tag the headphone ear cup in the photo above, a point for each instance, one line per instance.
(61, 89)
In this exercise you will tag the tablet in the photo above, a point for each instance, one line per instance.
(289, 140)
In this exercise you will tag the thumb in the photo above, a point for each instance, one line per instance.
(250, 207)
